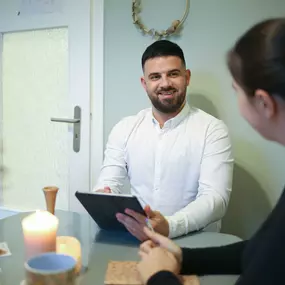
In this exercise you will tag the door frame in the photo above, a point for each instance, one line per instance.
(97, 89)
(92, 121)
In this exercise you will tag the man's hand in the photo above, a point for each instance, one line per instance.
(155, 260)
(135, 222)
(105, 190)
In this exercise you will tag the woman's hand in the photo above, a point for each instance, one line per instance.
(157, 240)
(157, 259)
(157, 254)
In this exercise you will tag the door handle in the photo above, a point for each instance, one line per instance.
(76, 128)
(61, 120)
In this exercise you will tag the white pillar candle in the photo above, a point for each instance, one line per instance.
(70, 246)
(39, 231)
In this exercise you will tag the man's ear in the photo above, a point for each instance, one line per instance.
(143, 83)
(265, 104)
(188, 76)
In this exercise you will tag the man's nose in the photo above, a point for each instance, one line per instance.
(165, 82)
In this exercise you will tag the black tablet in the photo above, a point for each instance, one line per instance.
(103, 207)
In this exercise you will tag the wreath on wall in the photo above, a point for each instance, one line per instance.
(173, 29)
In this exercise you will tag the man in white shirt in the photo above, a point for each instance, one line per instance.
(178, 159)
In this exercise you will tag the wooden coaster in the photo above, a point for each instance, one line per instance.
(126, 273)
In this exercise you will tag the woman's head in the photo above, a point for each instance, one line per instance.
(257, 64)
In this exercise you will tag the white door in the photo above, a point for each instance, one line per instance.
(45, 73)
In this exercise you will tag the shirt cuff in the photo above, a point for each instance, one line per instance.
(177, 226)
(114, 190)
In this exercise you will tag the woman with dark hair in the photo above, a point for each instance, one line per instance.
(257, 65)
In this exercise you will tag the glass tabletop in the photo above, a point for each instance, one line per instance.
(98, 247)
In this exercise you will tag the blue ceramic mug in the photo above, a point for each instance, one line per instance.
(51, 269)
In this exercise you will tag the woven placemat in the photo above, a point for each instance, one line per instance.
(126, 273)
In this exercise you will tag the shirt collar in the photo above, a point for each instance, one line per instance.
(175, 121)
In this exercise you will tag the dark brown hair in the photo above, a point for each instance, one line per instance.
(257, 60)
(162, 48)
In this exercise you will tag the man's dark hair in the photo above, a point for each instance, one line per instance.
(162, 48)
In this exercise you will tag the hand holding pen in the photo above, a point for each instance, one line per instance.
(135, 222)
(156, 222)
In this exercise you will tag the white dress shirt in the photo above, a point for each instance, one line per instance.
(184, 170)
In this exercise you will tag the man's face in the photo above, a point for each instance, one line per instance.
(165, 80)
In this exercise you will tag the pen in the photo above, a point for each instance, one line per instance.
(148, 223)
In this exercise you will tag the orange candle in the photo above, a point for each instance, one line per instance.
(70, 246)
(39, 231)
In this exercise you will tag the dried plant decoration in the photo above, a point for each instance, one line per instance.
(173, 29)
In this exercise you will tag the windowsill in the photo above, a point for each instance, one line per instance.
(4, 212)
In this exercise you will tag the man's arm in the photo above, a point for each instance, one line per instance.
(215, 184)
(114, 170)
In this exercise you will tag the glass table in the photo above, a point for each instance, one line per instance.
(98, 248)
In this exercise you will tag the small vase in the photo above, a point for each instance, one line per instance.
(50, 197)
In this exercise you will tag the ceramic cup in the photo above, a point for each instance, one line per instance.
(51, 269)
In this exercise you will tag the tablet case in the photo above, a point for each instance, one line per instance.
(103, 207)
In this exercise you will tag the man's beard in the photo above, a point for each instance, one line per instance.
(168, 106)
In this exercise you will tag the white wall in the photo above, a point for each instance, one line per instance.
(211, 28)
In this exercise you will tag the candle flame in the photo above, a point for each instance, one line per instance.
(40, 221)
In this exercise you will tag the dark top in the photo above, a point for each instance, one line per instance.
(260, 260)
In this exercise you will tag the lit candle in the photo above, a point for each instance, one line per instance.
(70, 246)
(39, 231)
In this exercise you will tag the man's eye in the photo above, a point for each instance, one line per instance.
(173, 74)
(154, 77)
